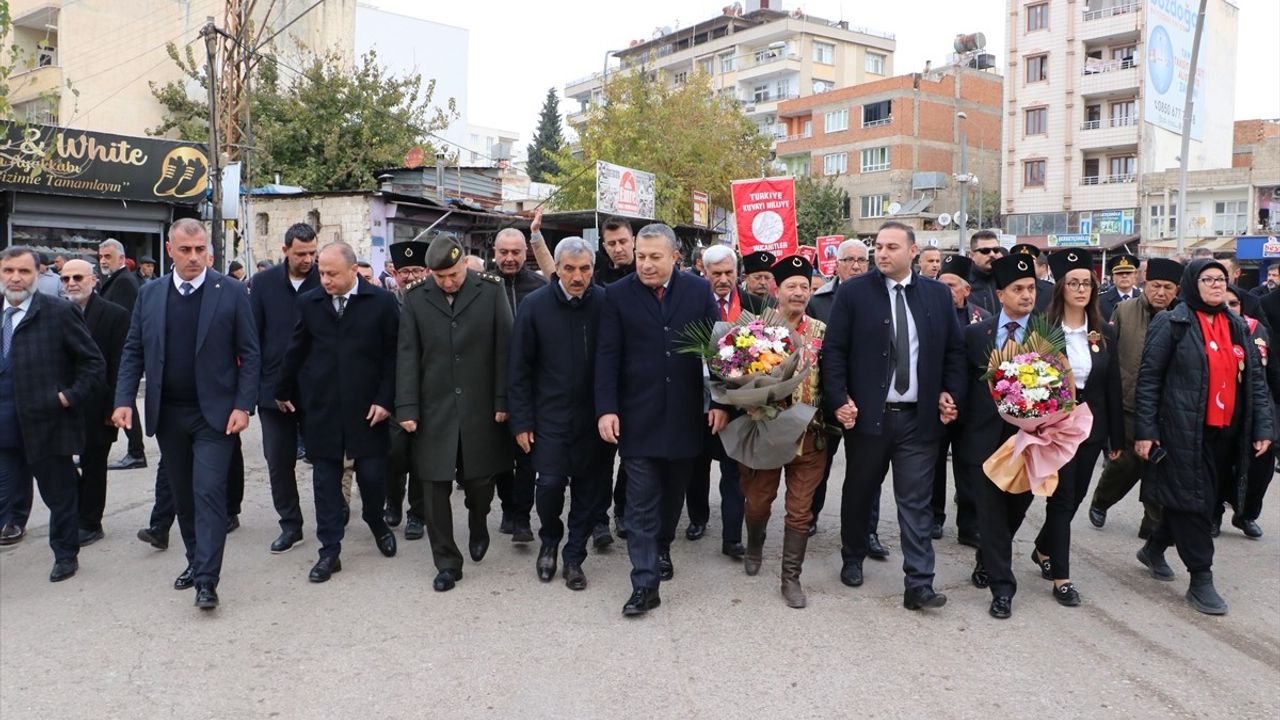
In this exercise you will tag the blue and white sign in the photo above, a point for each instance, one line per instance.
(1171, 29)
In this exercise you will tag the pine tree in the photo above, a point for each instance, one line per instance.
(547, 141)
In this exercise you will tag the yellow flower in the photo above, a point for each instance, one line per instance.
(742, 341)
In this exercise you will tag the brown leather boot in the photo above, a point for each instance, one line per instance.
(755, 547)
(794, 543)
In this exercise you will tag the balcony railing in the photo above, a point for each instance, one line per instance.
(770, 97)
(1107, 179)
(877, 123)
(1093, 66)
(1122, 121)
(1111, 11)
(798, 136)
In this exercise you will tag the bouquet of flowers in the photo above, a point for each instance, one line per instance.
(756, 364)
(1034, 390)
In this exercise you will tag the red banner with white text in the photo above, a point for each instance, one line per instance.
(765, 213)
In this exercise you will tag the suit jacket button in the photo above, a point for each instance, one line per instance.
(457, 358)
(884, 354)
(454, 324)
(882, 384)
(668, 353)
(457, 391)
(668, 379)
(666, 329)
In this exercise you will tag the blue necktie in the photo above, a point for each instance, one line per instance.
(7, 339)
(187, 288)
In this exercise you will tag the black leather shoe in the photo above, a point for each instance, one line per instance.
(574, 578)
(206, 598)
(601, 538)
(642, 601)
(546, 564)
(10, 534)
(392, 516)
(387, 544)
(921, 597)
(851, 573)
(478, 546)
(63, 569)
(288, 540)
(413, 529)
(666, 570)
(233, 523)
(324, 568)
(521, 532)
(935, 532)
(186, 579)
(1045, 564)
(695, 532)
(813, 528)
(128, 462)
(979, 576)
(1097, 516)
(973, 540)
(445, 580)
(507, 526)
(1249, 527)
(620, 527)
(1204, 598)
(875, 550)
(1155, 562)
(1001, 607)
(733, 550)
(89, 537)
(1066, 595)
(155, 537)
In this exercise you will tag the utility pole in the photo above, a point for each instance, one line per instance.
(963, 179)
(1188, 108)
(210, 34)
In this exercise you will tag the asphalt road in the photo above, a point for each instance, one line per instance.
(117, 641)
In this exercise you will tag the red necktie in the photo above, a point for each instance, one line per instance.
(660, 291)
(724, 309)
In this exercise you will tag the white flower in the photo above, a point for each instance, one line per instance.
(726, 353)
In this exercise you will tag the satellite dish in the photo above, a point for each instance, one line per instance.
(895, 208)
(944, 219)
(962, 218)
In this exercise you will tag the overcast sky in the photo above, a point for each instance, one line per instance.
(520, 49)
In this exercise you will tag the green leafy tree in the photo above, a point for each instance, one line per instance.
(820, 208)
(547, 140)
(323, 127)
(687, 135)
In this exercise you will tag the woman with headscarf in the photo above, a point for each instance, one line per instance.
(1095, 368)
(1202, 413)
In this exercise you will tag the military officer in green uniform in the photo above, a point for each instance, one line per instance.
(451, 379)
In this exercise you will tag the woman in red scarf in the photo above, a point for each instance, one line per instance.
(1202, 410)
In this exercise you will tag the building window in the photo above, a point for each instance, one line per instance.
(1230, 217)
(824, 53)
(1037, 121)
(844, 207)
(874, 206)
(1037, 68)
(875, 63)
(1122, 169)
(1038, 17)
(707, 66)
(835, 164)
(760, 93)
(1123, 113)
(313, 219)
(821, 86)
(681, 77)
(808, 128)
(726, 62)
(1124, 55)
(1033, 173)
(835, 121)
(875, 159)
(879, 113)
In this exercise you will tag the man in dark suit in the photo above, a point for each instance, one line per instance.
(1123, 269)
(892, 366)
(451, 395)
(108, 324)
(721, 267)
(984, 248)
(49, 369)
(192, 333)
(340, 367)
(275, 313)
(1270, 308)
(649, 400)
(120, 285)
(1000, 513)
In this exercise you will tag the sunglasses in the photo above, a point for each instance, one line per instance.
(989, 250)
(73, 278)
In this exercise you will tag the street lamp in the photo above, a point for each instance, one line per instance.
(963, 178)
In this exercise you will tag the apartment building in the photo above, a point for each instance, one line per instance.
(894, 144)
(759, 55)
(1093, 96)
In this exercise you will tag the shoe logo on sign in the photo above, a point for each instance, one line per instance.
(185, 174)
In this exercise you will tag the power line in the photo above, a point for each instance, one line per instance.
(80, 113)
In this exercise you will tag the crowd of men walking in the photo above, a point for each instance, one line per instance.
(568, 386)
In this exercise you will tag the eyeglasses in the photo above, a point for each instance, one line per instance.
(1233, 303)
(990, 250)
(72, 278)
(855, 261)
(1078, 284)
(1214, 280)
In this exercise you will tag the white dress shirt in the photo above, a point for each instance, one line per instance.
(195, 284)
(347, 295)
(913, 390)
(1078, 353)
(19, 316)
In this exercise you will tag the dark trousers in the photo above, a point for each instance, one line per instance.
(56, 477)
(165, 509)
(655, 495)
(134, 434)
(93, 486)
(326, 480)
(698, 497)
(515, 487)
(1000, 514)
(584, 499)
(439, 517)
(1054, 540)
(1119, 476)
(280, 449)
(619, 494)
(404, 475)
(1189, 530)
(966, 511)
(867, 460)
(820, 494)
(197, 461)
(1261, 471)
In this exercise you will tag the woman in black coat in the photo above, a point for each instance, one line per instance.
(1202, 411)
(1091, 344)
